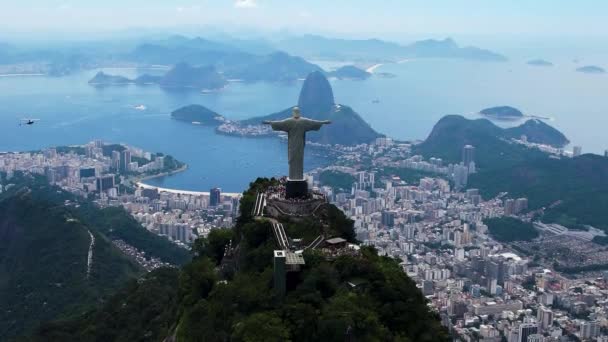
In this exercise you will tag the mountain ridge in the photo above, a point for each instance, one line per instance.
(43, 263)
(381, 50)
(493, 145)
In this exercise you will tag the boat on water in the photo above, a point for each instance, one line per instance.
(140, 107)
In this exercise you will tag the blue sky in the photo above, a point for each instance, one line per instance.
(340, 17)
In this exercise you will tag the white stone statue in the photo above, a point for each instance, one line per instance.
(296, 128)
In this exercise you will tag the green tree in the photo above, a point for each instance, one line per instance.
(213, 245)
(261, 327)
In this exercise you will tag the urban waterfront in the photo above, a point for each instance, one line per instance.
(407, 107)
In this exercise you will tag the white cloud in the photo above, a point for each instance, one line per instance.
(245, 4)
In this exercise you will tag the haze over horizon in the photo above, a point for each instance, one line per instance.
(399, 20)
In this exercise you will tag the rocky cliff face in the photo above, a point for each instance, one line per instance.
(316, 97)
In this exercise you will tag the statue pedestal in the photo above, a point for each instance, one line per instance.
(296, 189)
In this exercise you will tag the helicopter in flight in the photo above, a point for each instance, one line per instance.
(29, 122)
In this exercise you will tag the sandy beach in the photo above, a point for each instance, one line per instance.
(373, 68)
(185, 192)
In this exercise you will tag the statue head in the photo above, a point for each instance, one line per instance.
(296, 113)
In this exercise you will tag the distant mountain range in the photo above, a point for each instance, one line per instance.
(316, 101)
(181, 75)
(311, 46)
(231, 61)
(276, 67)
(247, 60)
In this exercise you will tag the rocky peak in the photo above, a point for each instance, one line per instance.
(316, 96)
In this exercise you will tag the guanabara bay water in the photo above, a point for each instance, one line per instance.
(405, 106)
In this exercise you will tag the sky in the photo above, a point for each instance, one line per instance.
(354, 18)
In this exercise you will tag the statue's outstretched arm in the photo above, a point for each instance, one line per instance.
(282, 125)
(322, 122)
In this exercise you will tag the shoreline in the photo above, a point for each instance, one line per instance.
(22, 75)
(185, 192)
(373, 68)
(163, 174)
(140, 183)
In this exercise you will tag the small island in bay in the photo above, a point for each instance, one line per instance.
(103, 79)
(539, 62)
(502, 113)
(349, 72)
(199, 115)
(591, 69)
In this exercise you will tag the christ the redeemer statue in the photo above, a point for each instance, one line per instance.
(296, 128)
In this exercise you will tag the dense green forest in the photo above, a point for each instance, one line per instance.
(142, 310)
(321, 303)
(509, 229)
(493, 150)
(116, 223)
(574, 190)
(44, 245)
(43, 262)
(337, 180)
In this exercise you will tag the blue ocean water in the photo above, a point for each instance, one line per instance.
(72, 112)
